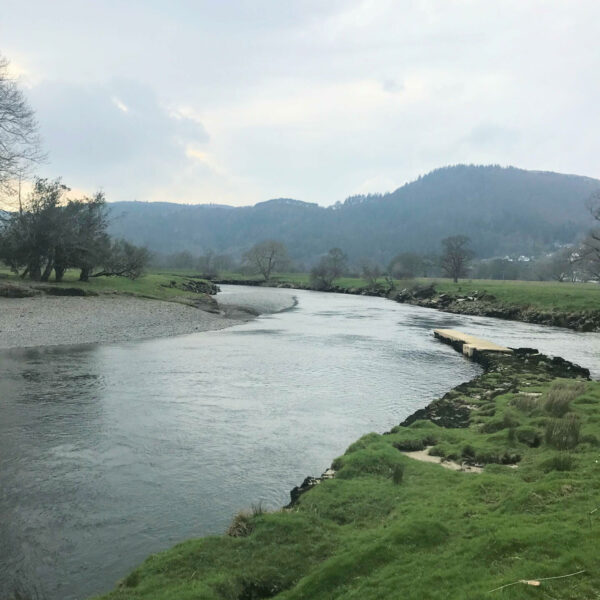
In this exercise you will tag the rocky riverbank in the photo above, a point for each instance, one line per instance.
(503, 374)
(480, 303)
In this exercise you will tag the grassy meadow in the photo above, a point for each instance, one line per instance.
(389, 526)
(154, 284)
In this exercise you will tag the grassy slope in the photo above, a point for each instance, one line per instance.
(436, 534)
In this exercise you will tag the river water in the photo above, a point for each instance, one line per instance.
(111, 452)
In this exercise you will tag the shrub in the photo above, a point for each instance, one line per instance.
(398, 474)
(468, 451)
(563, 434)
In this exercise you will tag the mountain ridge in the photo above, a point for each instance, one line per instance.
(505, 210)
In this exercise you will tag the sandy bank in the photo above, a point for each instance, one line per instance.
(49, 321)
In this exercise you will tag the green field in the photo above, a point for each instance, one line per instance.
(537, 294)
(155, 284)
(390, 527)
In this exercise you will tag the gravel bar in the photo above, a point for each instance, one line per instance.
(51, 320)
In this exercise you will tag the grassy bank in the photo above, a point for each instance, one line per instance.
(389, 526)
(160, 285)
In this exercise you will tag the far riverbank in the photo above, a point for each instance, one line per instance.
(572, 306)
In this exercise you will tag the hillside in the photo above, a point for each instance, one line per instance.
(503, 210)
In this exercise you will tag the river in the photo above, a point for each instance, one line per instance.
(111, 452)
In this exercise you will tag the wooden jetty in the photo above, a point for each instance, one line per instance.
(468, 344)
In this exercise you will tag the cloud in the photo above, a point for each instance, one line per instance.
(114, 135)
(307, 99)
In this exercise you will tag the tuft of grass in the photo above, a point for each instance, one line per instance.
(526, 404)
(557, 400)
(563, 434)
(558, 462)
(241, 525)
(398, 474)
(529, 436)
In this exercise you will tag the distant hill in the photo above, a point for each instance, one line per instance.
(503, 210)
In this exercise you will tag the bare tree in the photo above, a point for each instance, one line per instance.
(559, 266)
(455, 256)
(19, 140)
(267, 257)
(371, 272)
(328, 269)
(589, 254)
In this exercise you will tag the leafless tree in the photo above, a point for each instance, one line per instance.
(371, 272)
(560, 266)
(19, 140)
(589, 254)
(328, 269)
(267, 257)
(455, 256)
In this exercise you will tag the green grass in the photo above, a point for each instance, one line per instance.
(154, 284)
(388, 526)
(537, 294)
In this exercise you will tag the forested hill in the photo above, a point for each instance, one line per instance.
(503, 210)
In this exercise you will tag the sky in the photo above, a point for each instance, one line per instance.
(236, 102)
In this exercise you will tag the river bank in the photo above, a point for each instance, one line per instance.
(572, 306)
(51, 320)
(388, 526)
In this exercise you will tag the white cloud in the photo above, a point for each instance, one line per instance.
(307, 99)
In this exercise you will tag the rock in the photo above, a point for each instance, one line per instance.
(200, 287)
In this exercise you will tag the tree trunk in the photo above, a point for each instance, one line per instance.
(59, 272)
(35, 271)
(84, 275)
(48, 270)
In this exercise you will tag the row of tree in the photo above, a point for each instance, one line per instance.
(271, 256)
(52, 233)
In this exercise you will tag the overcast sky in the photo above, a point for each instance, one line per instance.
(236, 102)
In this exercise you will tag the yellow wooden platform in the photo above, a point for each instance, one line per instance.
(470, 343)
